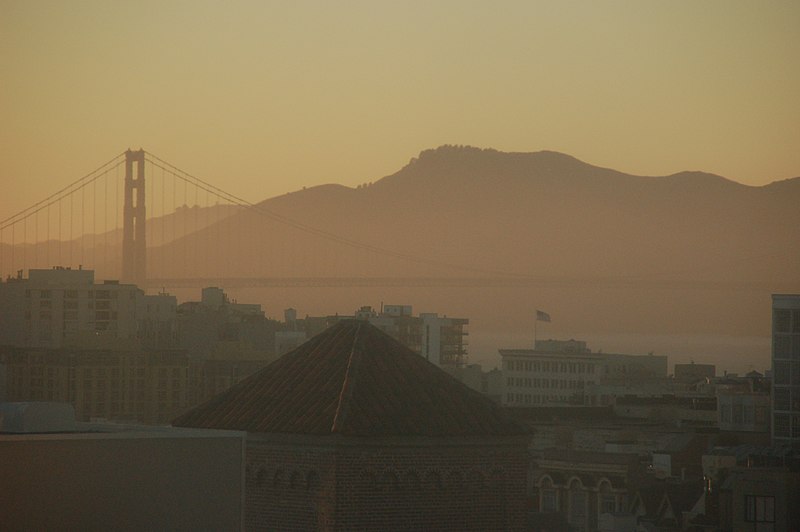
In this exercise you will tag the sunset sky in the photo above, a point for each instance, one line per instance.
(266, 97)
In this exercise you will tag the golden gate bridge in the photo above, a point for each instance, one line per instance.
(132, 217)
(143, 220)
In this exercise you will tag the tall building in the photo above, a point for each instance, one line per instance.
(786, 369)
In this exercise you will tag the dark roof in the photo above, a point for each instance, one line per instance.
(352, 379)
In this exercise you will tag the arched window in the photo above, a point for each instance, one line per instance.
(606, 499)
(578, 504)
(548, 495)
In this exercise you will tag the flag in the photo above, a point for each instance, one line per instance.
(542, 316)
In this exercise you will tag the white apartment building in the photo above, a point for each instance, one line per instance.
(565, 373)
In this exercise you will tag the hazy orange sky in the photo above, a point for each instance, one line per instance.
(266, 97)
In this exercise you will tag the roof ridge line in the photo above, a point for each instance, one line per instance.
(345, 384)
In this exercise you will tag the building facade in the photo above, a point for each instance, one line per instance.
(62, 307)
(354, 431)
(561, 373)
(146, 386)
(582, 486)
(786, 369)
(439, 339)
(61, 475)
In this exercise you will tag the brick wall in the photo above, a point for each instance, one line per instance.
(438, 484)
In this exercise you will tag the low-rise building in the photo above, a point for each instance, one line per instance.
(150, 386)
(583, 486)
(760, 498)
(59, 474)
(354, 431)
(559, 373)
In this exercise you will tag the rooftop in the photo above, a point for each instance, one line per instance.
(354, 380)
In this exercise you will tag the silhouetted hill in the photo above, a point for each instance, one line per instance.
(690, 251)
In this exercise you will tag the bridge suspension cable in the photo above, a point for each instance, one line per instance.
(182, 224)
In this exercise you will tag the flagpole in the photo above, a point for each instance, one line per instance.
(535, 323)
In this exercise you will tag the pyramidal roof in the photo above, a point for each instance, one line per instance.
(354, 380)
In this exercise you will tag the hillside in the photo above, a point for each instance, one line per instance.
(607, 251)
(470, 212)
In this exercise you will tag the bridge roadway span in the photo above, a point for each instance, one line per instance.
(452, 282)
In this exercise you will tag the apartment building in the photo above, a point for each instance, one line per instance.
(561, 373)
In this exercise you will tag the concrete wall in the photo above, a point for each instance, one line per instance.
(118, 482)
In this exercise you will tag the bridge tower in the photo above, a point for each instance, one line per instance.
(134, 249)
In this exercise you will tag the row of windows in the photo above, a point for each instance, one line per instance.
(759, 509)
(786, 346)
(73, 294)
(742, 415)
(785, 321)
(787, 425)
(536, 399)
(72, 315)
(562, 367)
(786, 398)
(533, 382)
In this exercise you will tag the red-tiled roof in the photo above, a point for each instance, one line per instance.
(352, 379)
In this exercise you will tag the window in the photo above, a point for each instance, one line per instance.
(549, 500)
(577, 506)
(760, 509)
(737, 414)
(608, 504)
(781, 372)
(781, 395)
(781, 425)
(781, 320)
(782, 345)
